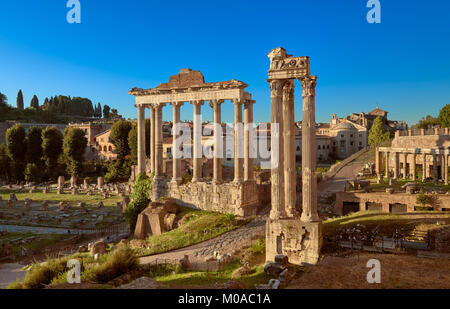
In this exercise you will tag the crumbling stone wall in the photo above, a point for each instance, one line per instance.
(239, 199)
(442, 240)
(386, 200)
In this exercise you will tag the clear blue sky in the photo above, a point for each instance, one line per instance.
(402, 65)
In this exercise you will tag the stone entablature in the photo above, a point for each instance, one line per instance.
(236, 198)
(386, 200)
(421, 141)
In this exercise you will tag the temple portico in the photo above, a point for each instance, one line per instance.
(189, 87)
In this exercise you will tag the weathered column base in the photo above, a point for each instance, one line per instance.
(299, 241)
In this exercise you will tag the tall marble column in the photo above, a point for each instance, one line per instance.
(396, 165)
(152, 139)
(197, 143)
(446, 168)
(218, 140)
(238, 141)
(158, 141)
(276, 150)
(248, 155)
(388, 172)
(413, 167)
(176, 157)
(405, 165)
(290, 181)
(141, 139)
(309, 176)
(378, 161)
(435, 168)
(424, 167)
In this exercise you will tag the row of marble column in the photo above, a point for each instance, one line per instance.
(403, 156)
(243, 167)
(284, 171)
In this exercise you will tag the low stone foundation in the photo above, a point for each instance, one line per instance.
(239, 199)
(385, 201)
(299, 241)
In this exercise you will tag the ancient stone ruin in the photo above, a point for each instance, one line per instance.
(298, 238)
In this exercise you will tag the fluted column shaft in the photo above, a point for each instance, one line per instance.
(290, 184)
(424, 167)
(152, 139)
(158, 141)
(388, 174)
(141, 139)
(446, 169)
(405, 163)
(248, 135)
(309, 177)
(197, 143)
(238, 141)
(413, 167)
(176, 158)
(218, 140)
(276, 150)
(435, 168)
(396, 165)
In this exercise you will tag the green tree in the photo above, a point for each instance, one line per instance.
(16, 146)
(106, 110)
(33, 173)
(140, 199)
(119, 138)
(4, 163)
(444, 116)
(377, 133)
(20, 100)
(427, 122)
(74, 146)
(52, 140)
(35, 102)
(3, 100)
(34, 146)
(132, 143)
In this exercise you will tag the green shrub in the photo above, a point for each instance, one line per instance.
(32, 173)
(41, 275)
(423, 199)
(258, 247)
(118, 262)
(140, 199)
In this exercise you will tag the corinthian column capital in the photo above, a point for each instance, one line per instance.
(309, 85)
(215, 103)
(176, 104)
(198, 102)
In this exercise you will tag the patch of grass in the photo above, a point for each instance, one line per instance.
(116, 263)
(195, 226)
(209, 278)
(42, 241)
(386, 222)
(52, 197)
(54, 271)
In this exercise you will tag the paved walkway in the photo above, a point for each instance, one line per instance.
(42, 230)
(226, 243)
(10, 273)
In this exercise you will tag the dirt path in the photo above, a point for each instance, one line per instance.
(397, 272)
(226, 243)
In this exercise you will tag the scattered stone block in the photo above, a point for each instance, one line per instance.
(98, 247)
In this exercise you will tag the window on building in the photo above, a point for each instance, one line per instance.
(360, 143)
(319, 147)
(342, 135)
(351, 143)
(110, 148)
